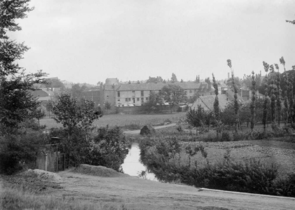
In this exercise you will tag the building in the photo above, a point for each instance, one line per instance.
(136, 93)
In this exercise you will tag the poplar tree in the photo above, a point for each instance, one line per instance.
(278, 84)
(265, 105)
(236, 102)
(253, 99)
(273, 102)
(216, 105)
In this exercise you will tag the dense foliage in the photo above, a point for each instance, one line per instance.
(163, 158)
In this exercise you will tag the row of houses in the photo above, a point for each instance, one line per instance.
(136, 94)
(120, 95)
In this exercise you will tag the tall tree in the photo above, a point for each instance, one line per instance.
(253, 98)
(174, 78)
(16, 102)
(216, 106)
(236, 102)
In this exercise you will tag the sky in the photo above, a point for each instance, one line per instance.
(89, 41)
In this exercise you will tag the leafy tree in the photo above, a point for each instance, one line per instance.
(154, 103)
(77, 91)
(16, 102)
(107, 105)
(38, 114)
(49, 106)
(111, 146)
(174, 78)
(73, 115)
(173, 94)
(54, 83)
(154, 80)
(196, 117)
(227, 116)
(291, 21)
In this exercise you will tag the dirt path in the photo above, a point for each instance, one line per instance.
(135, 132)
(136, 193)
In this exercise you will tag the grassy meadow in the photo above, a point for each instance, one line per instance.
(132, 122)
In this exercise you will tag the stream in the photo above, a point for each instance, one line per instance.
(133, 167)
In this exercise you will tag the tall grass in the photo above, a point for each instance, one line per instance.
(18, 199)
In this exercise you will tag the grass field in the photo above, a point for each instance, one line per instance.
(123, 120)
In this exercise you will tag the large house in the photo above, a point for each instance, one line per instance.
(136, 94)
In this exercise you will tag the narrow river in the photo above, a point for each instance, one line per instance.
(133, 167)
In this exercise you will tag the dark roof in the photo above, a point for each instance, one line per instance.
(207, 102)
(157, 86)
(39, 93)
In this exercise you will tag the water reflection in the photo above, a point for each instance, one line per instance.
(133, 167)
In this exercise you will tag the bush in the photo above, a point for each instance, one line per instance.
(18, 151)
(286, 187)
(109, 149)
(225, 136)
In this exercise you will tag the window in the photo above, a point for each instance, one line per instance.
(137, 99)
(118, 93)
(118, 99)
(126, 99)
(142, 100)
(142, 93)
(190, 91)
(147, 98)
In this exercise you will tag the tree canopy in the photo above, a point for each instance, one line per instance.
(16, 102)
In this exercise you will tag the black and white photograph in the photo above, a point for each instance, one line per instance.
(147, 104)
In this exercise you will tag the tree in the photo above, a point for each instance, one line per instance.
(77, 91)
(154, 80)
(253, 98)
(38, 114)
(16, 102)
(291, 21)
(107, 105)
(54, 83)
(73, 115)
(174, 78)
(173, 94)
(155, 101)
(49, 106)
(216, 105)
(196, 117)
(236, 102)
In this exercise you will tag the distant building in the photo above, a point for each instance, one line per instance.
(136, 94)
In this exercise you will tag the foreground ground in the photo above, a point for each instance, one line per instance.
(125, 192)
(137, 193)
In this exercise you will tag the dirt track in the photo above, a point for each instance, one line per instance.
(136, 193)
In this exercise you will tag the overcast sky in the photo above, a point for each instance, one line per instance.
(89, 41)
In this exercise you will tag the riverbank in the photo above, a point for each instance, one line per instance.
(127, 192)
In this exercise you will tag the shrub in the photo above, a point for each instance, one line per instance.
(109, 149)
(225, 136)
(18, 151)
(286, 187)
